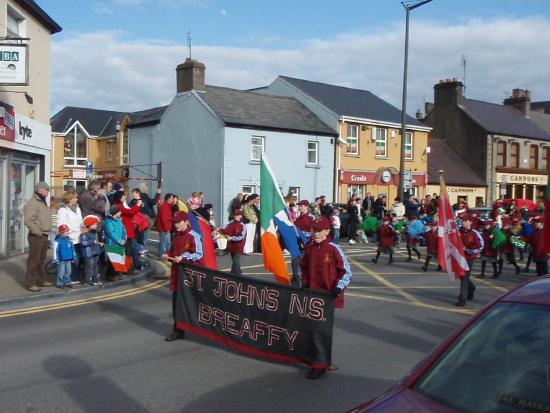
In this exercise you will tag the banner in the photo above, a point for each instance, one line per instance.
(256, 317)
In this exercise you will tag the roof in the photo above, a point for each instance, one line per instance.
(502, 119)
(97, 122)
(356, 103)
(40, 15)
(544, 105)
(457, 172)
(250, 109)
(542, 120)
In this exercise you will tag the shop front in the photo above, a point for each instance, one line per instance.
(24, 160)
(520, 186)
(474, 196)
(383, 181)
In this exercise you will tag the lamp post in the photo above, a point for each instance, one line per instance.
(408, 5)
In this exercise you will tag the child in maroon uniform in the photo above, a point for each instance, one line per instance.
(236, 235)
(489, 254)
(186, 247)
(386, 239)
(473, 245)
(536, 240)
(431, 245)
(411, 241)
(508, 248)
(324, 268)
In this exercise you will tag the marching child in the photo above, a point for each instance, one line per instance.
(431, 245)
(236, 235)
(537, 247)
(473, 245)
(489, 254)
(324, 268)
(386, 238)
(412, 241)
(90, 249)
(508, 248)
(63, 255)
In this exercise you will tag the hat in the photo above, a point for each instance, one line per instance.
(180, 216)
(114, 210)
(41, 185)
(320, 224)
(304, 202)
(237, 212)
(63, 228)
(117, 186)
(506, 221)
(90, 220)
(468, 217)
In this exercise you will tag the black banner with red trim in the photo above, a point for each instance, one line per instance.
(256, 317)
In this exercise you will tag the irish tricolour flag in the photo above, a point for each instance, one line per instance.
(121, 262)
(275, 222)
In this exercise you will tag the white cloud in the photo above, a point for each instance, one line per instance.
(106, 70)
(223, 12)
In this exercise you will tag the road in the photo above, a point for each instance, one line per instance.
(110, 356)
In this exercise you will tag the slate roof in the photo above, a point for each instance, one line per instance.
(545, 105)
(40, 15)
(249, 109)
(457, 172)
(502, 119)
(97, 122)
(542, 120)
(345, 101)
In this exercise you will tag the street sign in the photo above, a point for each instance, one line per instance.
(89, 169)
(79, 173)
(407, 178)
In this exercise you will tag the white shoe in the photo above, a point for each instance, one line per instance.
(351, 241)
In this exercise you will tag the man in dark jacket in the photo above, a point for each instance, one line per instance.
(368, 203)
(92, 201)
(412, 207)
(148, 208)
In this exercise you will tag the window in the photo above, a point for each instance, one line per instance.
(248, 189)
(381, 143)
(514, 155)
(109, 151)
(545, 156)
(501, 153)
(257, 146)
(125, 148)
(78, 185)
(356, 191)
(352, 142)
(74, 147)
(409, 145)
(534, 157)
(14, 23)
(312, 153)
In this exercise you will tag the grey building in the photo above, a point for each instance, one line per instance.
(210, 139)
(500, 143)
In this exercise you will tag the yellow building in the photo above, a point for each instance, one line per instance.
(368, 147)
(87, 144)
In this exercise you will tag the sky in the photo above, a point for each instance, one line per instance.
(122, 54)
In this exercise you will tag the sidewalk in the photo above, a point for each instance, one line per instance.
(13, 286)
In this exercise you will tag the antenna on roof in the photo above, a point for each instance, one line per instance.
(463, 60)
(189, 42)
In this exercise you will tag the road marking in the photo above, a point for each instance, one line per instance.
(490, 284)
(382, 287)
(382, 280)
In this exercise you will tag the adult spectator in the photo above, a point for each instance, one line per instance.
(38, 220)
(412, 207)
(397, 208)
(105, 188)
(368, 203)
(380, 208)
(148, 208)
(116, 187)
(127, 216)
(354, 217)
(431, 209)
(250, 219)
(92, 201)
(256, 207)
(326, 209)
(164, 223)
(235, 204)
(69, 214)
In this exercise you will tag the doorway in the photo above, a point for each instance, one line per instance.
(21, 189)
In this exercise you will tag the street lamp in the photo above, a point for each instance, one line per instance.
(408, 5)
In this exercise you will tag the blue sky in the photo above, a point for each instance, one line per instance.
(121, 54)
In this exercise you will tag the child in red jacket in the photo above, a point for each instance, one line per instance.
(236, 236)
(489, 254)
(536, 240)
(432, 241)
(386, 239)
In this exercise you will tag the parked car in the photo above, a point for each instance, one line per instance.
(499, 361)
(483, 213)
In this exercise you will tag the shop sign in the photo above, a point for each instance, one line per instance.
(522, 179)
(356, 177)
(31, 132)
(78, 173)
(14, 64)
(7, 122)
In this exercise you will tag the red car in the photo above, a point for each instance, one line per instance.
(498, 362)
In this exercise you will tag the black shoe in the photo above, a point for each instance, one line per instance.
(176, 335)
(525, 270)
(409, 259)
(495, 276)
(390, 261)
(374, 261)
(418, 255)
(518, 270)
(424, 269)
(471, 293)
(315, 373)
(461, 302)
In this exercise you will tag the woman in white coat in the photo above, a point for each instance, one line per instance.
(70, 215)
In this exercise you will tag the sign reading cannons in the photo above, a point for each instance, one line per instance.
(255, 316)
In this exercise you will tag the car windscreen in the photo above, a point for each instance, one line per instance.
(500, 364)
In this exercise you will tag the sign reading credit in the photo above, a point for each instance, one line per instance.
(13, 64)
(256, 317)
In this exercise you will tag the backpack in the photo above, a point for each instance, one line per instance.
(141, 222)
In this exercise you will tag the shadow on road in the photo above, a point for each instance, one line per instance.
(93, 392)
(139, 318)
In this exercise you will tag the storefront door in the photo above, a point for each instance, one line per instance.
(22, 180)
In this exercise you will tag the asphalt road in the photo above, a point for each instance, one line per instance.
(110, 356)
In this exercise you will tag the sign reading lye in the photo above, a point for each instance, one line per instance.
(13, 64)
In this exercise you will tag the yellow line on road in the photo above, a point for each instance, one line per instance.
(490, 284)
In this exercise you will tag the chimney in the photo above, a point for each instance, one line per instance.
(428, 106)
(448, 93)
(520, 100)
(190, 76)
(419, 114)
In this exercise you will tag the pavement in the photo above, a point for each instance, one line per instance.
(13, 285)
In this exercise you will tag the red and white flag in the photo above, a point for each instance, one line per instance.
(450, 251)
